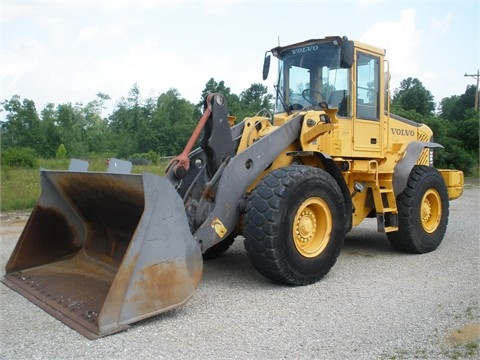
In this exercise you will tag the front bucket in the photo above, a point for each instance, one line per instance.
(101, 251)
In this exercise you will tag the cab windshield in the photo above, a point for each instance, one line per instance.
(309, 75)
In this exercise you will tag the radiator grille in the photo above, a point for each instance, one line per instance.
(424, 158)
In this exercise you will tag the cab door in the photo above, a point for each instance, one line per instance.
(367, 125)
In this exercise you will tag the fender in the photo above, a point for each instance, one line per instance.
(234, 176)
(405, 165)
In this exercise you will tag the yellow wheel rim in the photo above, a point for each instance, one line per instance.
(312, 227)
(430, 210)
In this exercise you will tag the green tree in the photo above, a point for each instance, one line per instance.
(22, 125)
(49, 132)
(254, 99)
(61, 152)
(456, 128)
(467, 130)
(97, 135)
(412, 95)
(127, 123)
(101, 99)
(233, 101)
(459, 112)
(173, 123)
(123, 143)
(248, 103)
(144, 134)
(454, 108)
(72, 128)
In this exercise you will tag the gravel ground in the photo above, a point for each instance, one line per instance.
(375, 303)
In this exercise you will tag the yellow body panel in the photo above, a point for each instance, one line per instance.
(454, 181)
(365, 141)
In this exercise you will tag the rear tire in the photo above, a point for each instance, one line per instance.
(422, 212)
(294, 225)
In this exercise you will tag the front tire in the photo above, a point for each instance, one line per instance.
(422, 212)
(294, 225)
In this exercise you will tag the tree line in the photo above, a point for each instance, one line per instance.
(160, 126)
(455, 123)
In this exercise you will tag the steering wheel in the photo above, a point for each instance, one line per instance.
(307, 95)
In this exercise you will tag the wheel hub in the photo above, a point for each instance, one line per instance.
(306, 226)
(312, 227)
(426, 211)
(431, 210)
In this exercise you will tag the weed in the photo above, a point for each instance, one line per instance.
(468, 350)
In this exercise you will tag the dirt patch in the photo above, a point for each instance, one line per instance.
(465, 334)
(13, 216)
(12, 222)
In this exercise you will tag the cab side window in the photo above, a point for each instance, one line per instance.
(367, 87)
(337, 83)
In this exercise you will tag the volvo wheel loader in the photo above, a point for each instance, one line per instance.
(103, 250)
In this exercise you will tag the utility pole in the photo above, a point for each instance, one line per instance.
(476, 76)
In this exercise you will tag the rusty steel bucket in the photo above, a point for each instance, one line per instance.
(103, 250)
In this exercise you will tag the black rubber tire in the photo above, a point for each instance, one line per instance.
(425, 195)
(269, 221)
(218, 249)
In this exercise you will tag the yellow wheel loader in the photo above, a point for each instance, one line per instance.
(103, 250)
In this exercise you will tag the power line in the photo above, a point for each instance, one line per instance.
(476, 76)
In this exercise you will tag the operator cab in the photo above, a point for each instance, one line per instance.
(340, 74)
(314, 74)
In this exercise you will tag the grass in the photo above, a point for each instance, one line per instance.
(467, 350)
(20, 187)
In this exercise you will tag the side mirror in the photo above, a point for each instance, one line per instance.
(266, 67)
(347, 54)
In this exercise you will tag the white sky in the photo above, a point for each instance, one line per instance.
(68, 51)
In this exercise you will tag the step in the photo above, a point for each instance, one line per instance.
(389, 210)
(391, 228)
(386, 191)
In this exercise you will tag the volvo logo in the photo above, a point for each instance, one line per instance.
(402, 132)
(305, 49)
